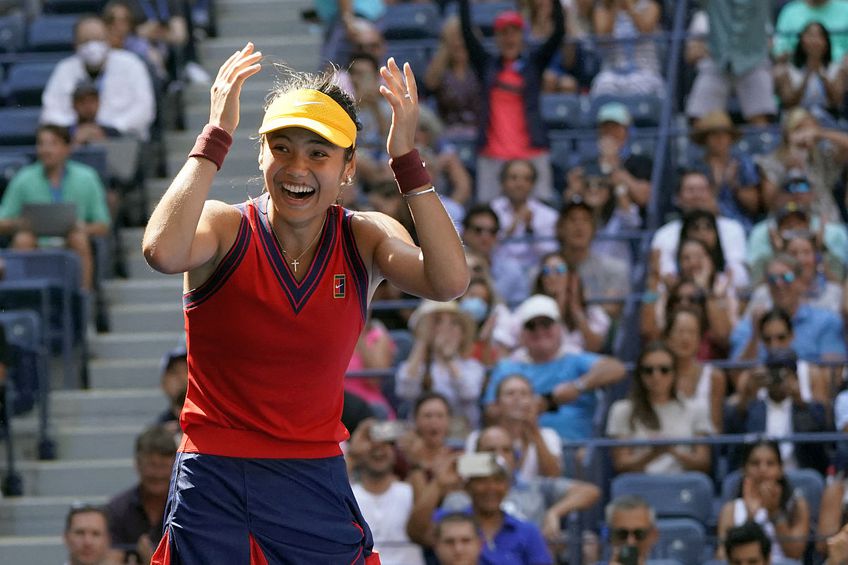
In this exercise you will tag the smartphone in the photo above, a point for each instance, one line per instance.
(389, 431)
(628, 555)
(473, 465)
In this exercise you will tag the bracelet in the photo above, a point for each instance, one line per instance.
(212, 144)
(650, 297)
(410, 171)
(414, 194)
(552, 405)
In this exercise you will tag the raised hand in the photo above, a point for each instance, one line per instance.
(225, 91)
(401, 92)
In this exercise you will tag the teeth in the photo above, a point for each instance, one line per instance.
(298, 188)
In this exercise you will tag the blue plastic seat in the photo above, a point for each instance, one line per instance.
(415, 52)
(25, 83)
(12, 33)
(679, 495)
(18, 125)
(644, 108)
(564, 111)
(73, 6)
(759, 142)
(681, 539)
(410, 21)
(403, 344)
(51, 33)
(95, 156)
(10, 165)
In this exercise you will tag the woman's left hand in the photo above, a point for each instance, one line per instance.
(401, 92)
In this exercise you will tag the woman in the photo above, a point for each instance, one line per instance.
(586, 326)
(440, 361)
(699, 381)
(276, 292)
(375, 350)
(702, 226)
(493, 319)
(766, 498)
(811, 79)
(426, 449)
(655, 410)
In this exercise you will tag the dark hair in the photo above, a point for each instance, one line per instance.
(428, 396)
(799, 57)
(605, 212)
(749, 532)
(689, 220)
(363, 56)
(61, 132)
(537, 283)
(479, 210)
(85, 508)
(689, 171)
(156, 440)
(509, 164)
(509, 377)
(643, 411)
(776, 314)
(748, 451)
(111, 5)
(671, 318)
(684, 242)
(324, 82)
(456, 518)
(674, 297)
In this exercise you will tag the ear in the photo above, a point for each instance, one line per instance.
(350, 168)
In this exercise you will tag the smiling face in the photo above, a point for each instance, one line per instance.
(517, 181)
(656, 371)
(695, 262)
(431, 422)
(515, 398)
(684, 336)
(763, 464)
(785, 288)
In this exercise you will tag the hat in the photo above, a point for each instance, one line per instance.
(789, 209)
(85, 88)
(537, 306)
(614, 112)
(427, 307)
(717, 120)
(178, 352)
(311, 109)
(508, 18)
(783, 358)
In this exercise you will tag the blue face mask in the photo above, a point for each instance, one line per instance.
(475, 307)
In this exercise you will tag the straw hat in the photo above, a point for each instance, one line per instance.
(717, 120)
(428, 307)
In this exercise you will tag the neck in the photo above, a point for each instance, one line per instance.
(659, 398)
(490, 522)
(687, 364)
(376, 483)
(517, 203)
(54, 173)
(574, 255)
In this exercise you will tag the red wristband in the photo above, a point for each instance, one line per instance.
(212, 144)
(410, 172)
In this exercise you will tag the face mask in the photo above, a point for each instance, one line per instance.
(475, 307)
(93, 53)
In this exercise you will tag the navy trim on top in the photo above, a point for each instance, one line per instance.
(354, 262)
(298, 293)
(227, 266)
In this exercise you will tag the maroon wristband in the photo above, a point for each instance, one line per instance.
(410, 172)
(212, 144)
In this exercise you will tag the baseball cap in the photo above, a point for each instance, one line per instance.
(614, 112)
(508, 18)
(537, 306)
(178, 352)
(313, 110)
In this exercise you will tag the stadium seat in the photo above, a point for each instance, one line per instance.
(19, 125)
(465, 145)
(759, 142)
(12, 33)
(51, 33)
(680, 495)
(564, 111)
(9, 166)
(403, 344)
(73, 6)
(644, 146)
(681, 539)
(644, 108)
(417, 53)
(410, 21)
(483, 14)
(808, 482)
(94, 156)
(25, 83)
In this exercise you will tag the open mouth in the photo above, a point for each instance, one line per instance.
(298, 191)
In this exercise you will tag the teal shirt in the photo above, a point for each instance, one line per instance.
(795, 16)
(738, 33)
(80, 185)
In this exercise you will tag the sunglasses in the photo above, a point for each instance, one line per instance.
(558, 269)
(788, 277)
(623, 534)
(798, 187)
(647, 370)
(543, 323)
(479, 230)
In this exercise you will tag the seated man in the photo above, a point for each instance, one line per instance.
(55, 178)
(747, 544)
(174, 382)
(135, 515)
(87, 536)
(632, 526)
(86, 101)
(457, 540)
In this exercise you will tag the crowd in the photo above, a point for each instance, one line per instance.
(460, 457)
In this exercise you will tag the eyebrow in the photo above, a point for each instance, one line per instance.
(313, 138)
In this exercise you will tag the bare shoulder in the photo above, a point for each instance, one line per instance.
(371, 229)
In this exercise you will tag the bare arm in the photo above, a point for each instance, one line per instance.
(698, 459)
(718, 390)
(830, 514)
(603, 18)
(634, 460)
(793, 530)
(580, 496)
(644, 20)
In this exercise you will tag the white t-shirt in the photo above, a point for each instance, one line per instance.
(530, 465)
(387, 514)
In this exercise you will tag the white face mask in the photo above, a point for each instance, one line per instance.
(93, 53)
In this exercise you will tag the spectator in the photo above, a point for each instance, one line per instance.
(493, 319)
(577, 63)
(384, 197)
(696, 193)
(457, 541)
(121, 33)
(174, 382)
(443, 162)
(86, 129)
(811, 79)
(440, 361)
(135, 515)
(426, 448)
(632, 527)
(349, 25)
(603, 277)
(126, 94)
(385, 501)
(164, 24)
(538, 449)
(807, 153)
(527, 224)
(833, 514)
(452, 82)
(747, 544)
(56, 178)
(375, 115)
(837, 548)
(586, 326)
(818, 332)
(512, 126)
(87, 536)
(712, 273)
(630, 65)
(375, 350)
(629, 174)
(480, 228)
(737, 58)
(566, 381)
(765, 497)
(654, 410)
(701, 382)
(733, 173)
(795, 15)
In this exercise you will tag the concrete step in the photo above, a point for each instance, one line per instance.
(227, 188)
(280, 8)
(42, 550)
(150, 291)
(124, 373)
(253, 92)
(36, 516)
(241, 164)
(153, 317)
(300, 51)
(76, 443)
(145, 345)
(137, 268)
(285, 21)
(101, 477)
(106, 406)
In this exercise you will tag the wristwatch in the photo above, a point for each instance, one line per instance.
(552, 405)
(580, 385)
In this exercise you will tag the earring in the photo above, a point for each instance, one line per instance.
(348, 181)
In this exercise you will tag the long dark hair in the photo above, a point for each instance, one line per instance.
(799, 57)
(748, 451)
(689, 220)
(671, 318)
(643, 411)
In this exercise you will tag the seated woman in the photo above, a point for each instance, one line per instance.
(494, 321)
(374, 350)
(766, 497)
(727, 273)
(440, 362)
(655, 410)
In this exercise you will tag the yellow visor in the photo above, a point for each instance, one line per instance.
(313, 110)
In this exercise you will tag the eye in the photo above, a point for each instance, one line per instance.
(317, 154)
(280, 148)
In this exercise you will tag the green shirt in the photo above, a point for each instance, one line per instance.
(795, 16)
(80, 185)
(738, 33)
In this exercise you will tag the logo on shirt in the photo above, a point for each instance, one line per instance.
(339, 286)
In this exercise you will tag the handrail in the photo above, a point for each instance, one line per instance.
(718, 439)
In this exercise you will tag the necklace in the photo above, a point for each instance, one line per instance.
(296, 261)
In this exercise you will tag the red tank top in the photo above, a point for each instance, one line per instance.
(267, 355)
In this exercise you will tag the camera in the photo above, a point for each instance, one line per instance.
(474, 465)
(386, 431)
(628, 555)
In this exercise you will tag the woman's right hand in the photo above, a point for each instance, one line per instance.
(226, 90)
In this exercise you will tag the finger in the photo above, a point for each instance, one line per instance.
(225, 66)
(241, 63)
(391, 98)
(393, 77)
(411, 85)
